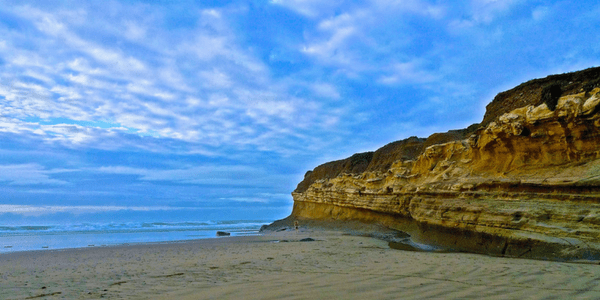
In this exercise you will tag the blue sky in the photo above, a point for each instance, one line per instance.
(216, 109)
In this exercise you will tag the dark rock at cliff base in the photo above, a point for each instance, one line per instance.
(307, 240)
(404, 247)
(279, 225)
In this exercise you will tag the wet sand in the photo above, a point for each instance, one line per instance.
(281, 266)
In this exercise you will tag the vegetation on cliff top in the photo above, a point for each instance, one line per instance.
(530, 92)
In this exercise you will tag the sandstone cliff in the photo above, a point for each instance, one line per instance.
(523, 183)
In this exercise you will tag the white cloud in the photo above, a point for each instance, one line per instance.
(417, 7)
(135, 31)
(203, 89)
(540, 13)
(213, 175)
(28, 174)
(352, 40)
(334, 40)
(408, 73)
(38, 210)
(246, 199)
(68, 133)
(309, 8)
(330, 49)
(215, 79)
(317, 8)
(481, 12)
(486, 11)
(16, 126)
(326, 90)
(67, 93)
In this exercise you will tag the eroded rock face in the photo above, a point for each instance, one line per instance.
(530, 93)
(525, 184)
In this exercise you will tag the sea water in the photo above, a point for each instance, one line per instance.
(79, 235)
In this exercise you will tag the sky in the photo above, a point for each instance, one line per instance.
(216, 109)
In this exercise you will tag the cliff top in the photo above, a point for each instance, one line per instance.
(530, 92)
(533, 92)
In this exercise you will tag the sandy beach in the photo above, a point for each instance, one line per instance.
(334, 265)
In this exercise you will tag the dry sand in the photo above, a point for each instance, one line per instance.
(334, 266)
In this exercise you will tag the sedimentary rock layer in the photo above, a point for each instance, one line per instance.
(526, 182)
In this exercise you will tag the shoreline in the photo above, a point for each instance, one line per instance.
(149, 243)
(279, 265)
(15, 238)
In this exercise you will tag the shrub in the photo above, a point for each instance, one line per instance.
(550, 95)
(589, 86)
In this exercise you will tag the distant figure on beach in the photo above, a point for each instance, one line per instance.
(296, 225)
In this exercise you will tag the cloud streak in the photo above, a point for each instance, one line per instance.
(34, 210)
(29, 174)
(203, 175)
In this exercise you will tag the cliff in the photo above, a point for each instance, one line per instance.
(523, 183)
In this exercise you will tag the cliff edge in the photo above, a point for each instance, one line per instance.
(525, 182)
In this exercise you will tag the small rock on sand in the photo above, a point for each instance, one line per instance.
(307, 240)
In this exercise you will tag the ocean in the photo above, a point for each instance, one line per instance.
(80, 235)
